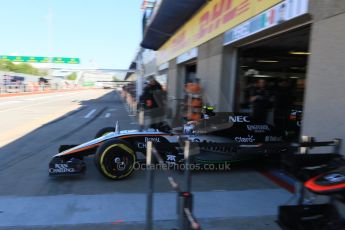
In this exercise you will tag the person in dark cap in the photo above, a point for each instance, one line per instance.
(151, 93)
(260, 100)
(153, 102)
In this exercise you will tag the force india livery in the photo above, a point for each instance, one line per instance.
(223, 138)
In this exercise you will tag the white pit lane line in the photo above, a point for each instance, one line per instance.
(9, 102)
(34, 104)
(90, 113)
(107, 115)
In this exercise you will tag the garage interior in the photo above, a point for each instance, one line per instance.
(280, 57)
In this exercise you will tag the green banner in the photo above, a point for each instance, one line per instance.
(32, 59)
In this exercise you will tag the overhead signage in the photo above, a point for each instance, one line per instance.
(280, 13)
(32, 59)
(64, 60)
(214, 19)
(190, 54)
(163, 66)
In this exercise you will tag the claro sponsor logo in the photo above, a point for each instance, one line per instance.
(258, 128)
(239, 119)
(249, 139)
(61, 168)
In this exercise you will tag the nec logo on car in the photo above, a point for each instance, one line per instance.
(239, 119)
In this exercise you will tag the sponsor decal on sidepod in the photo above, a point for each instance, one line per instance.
(273, 138)
(61, 168)
(249, 139)
(239, 119)
(258, 128)
(142, 145)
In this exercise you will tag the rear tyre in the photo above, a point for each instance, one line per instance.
(104, 131)
(115, 159)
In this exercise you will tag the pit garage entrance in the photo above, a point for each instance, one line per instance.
(271, 73)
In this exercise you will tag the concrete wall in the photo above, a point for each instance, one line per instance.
(174, 93)
(172, 80)
(323, 9)
(229, 80)
(325, 88)
(209, 70)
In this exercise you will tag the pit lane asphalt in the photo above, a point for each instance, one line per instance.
(56, 203)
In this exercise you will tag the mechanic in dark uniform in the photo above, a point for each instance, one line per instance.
(151, 94)
(260, 99)
(153, 102)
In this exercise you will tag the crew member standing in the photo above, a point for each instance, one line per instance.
(260, 101)
(152, 101)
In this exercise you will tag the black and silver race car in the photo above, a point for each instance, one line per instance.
(225, 137)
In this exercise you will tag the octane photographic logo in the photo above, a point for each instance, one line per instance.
(226, 166)
(61, 168)
(258, 128)
(249, 139)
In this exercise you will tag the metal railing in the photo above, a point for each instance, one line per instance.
(307, 143)
(186, 219)
(304, 146)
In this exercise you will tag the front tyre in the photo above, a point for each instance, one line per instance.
(104, 131)
(115, 159)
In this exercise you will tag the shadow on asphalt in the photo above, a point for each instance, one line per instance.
(52, 133)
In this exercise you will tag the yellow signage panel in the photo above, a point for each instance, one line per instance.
(214, 19)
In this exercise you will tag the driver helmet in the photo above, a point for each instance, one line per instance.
(208, 111)
(189, 128)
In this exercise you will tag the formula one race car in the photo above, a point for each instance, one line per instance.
(322, 174)
(225, 137)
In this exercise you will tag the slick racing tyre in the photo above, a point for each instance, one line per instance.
(104, 131)
(115, 159)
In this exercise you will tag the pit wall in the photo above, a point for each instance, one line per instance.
(324, 101)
